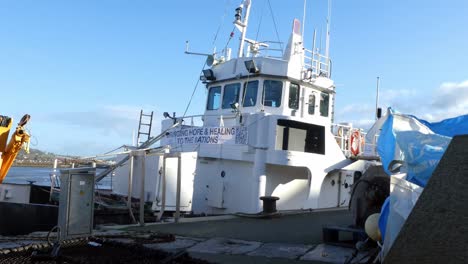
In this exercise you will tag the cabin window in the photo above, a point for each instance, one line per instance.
(324, 104)
(294, 96)
(312, 104)
(297, 136)
(231, 95)
(250, 94)
(214, 98)
(272, 92)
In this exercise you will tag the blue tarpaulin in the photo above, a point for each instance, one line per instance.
(449, 127)
(420, 144)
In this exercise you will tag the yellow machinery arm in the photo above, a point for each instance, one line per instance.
(5, 126)
(10, 151)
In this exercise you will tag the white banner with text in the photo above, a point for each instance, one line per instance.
(208, 135)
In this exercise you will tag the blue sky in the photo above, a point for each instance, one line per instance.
(84, 69)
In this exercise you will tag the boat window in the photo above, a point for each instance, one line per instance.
(250, 94)
(272, 92)
(298, 136)
(214, 98)
(231, 94)
(294, 96)
(312, 104)
(324, 104)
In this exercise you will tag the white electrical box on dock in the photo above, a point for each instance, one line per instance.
(76, 208)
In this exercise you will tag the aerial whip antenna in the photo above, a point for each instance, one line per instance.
(303, 19)
(327, 39)
(377, 100)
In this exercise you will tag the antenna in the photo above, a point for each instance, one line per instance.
(377, 99)
(194, 53)
(313, 40)
(327, 39)
(313, 51)
(210, 58)
(303, 19)
(320, 42)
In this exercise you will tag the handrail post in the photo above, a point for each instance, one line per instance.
(142, 189)
(130, 188)
(179, 176)
(163, 195)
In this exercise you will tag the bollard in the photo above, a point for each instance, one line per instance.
(269, 204)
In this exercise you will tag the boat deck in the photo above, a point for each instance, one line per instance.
(286, 238)
(304, 228)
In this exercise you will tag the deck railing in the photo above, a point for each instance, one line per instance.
(358, 146)
(316, 65)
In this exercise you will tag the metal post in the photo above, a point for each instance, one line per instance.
(303, 19)
(244, 30)
(327, 39)
(313, 54)
(377, 100)
(130, 188)
(339, 190)
(179, 166)
(303, 98)
(259, 168)
(163, 195)
(53, 180)
(142, 190)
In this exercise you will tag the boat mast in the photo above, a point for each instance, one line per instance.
(327, 39)
(303, 19)
(242, 25)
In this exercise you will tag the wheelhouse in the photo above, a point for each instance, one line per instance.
(269, 95)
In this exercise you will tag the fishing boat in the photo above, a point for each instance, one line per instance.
(266, 134)
(265, 143)
(265, 147)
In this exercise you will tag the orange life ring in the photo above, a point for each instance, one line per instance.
(354, 142)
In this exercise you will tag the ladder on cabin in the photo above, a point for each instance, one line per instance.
(144, 127)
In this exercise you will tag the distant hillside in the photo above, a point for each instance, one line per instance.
(39, 158)
(34, 158)
(35, 154)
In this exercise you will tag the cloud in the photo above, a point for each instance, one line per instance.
(108, 120)
(448, 100)
(451, 95)
(91, 131)
(393, 94)
(358, 114)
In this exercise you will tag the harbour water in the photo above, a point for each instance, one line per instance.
(41, 176)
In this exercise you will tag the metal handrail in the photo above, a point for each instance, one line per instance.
(316, 63)
(144, 145)
(343, 140)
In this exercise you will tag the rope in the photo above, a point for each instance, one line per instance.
(230, 37)
(222, 21)
(190, 101)
(57, 228)
(260, 22)
(274, 23)
(193, 93)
